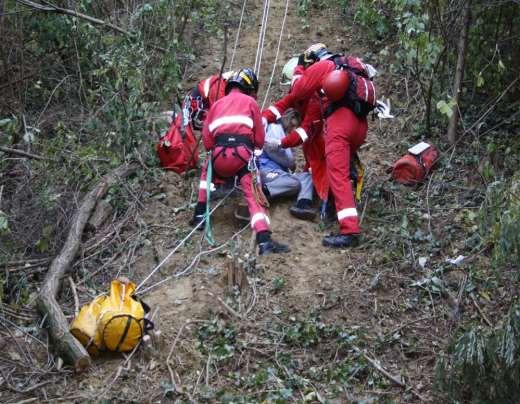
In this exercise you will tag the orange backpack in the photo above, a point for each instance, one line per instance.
(413, 167)
(177, 152)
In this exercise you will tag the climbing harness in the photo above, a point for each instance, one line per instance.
(277, 53)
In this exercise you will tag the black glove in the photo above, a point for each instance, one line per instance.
(301, 60)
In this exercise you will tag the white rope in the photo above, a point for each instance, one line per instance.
(237, 35)
(261, 38)
(181, 242)
(193, 262)
(277, 53)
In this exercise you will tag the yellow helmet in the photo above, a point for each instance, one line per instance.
(314, 53)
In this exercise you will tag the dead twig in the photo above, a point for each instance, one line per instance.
(482, 314)
(75, 295)
(22, 153)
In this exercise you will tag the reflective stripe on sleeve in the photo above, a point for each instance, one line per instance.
(302, 133)
(240, 119)
(349, 212)
(206, 88)
(275, 111)
(259, 216)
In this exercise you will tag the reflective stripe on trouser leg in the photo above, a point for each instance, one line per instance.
(345, 132)
(306, 187)
(259, 219)
(203, 184)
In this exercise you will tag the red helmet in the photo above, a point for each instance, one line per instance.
(335, 84)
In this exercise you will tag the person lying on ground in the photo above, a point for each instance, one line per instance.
(277, 165)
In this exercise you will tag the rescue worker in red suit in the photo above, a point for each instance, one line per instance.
(309, 134)
(345, 132)
(199, 100)
(232, 130)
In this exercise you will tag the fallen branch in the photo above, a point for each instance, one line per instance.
(66, 345)
(22, 153)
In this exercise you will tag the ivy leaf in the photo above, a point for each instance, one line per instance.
(501, 66)
(480, 80)
(4, 224)
(445, 108)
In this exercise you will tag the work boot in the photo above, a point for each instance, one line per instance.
(341, 240)
(266, 245)
(303, 210)
(198, 215)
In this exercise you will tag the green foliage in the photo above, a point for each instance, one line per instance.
(484, 366)
(500, 220)
(217, 339)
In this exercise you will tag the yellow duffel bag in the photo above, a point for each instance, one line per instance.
(115, 322)
(85, 325)
(122, 324)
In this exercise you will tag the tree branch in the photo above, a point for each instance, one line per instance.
(48, 7)
(22, 153)
(66, 345)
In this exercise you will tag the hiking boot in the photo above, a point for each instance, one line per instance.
(272, 247)
(303, 210)
(341, 240)
(198, 216)
(266, 245)
(195, 220)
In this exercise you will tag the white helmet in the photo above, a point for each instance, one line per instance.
(288, 70)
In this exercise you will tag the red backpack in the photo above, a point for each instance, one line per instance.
(413, 167)
(177, 152)
(361, 93)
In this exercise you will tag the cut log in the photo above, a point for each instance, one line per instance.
(66, 346)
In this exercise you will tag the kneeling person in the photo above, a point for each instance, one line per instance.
(232, 130)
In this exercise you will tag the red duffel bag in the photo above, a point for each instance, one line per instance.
(176, 152)
(416, 165)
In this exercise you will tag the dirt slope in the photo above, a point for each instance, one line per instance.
(363, 290)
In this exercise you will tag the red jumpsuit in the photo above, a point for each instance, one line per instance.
(344, 134)
(210, 89)
(235, 119)
(309, 133)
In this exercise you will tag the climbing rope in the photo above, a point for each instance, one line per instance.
(261, 38)
(237, 35)
(277, 53)
(193, 262)
(181, 243)
(207, 216)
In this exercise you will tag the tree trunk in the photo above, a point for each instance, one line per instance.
(65, 344)
(459, 73)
